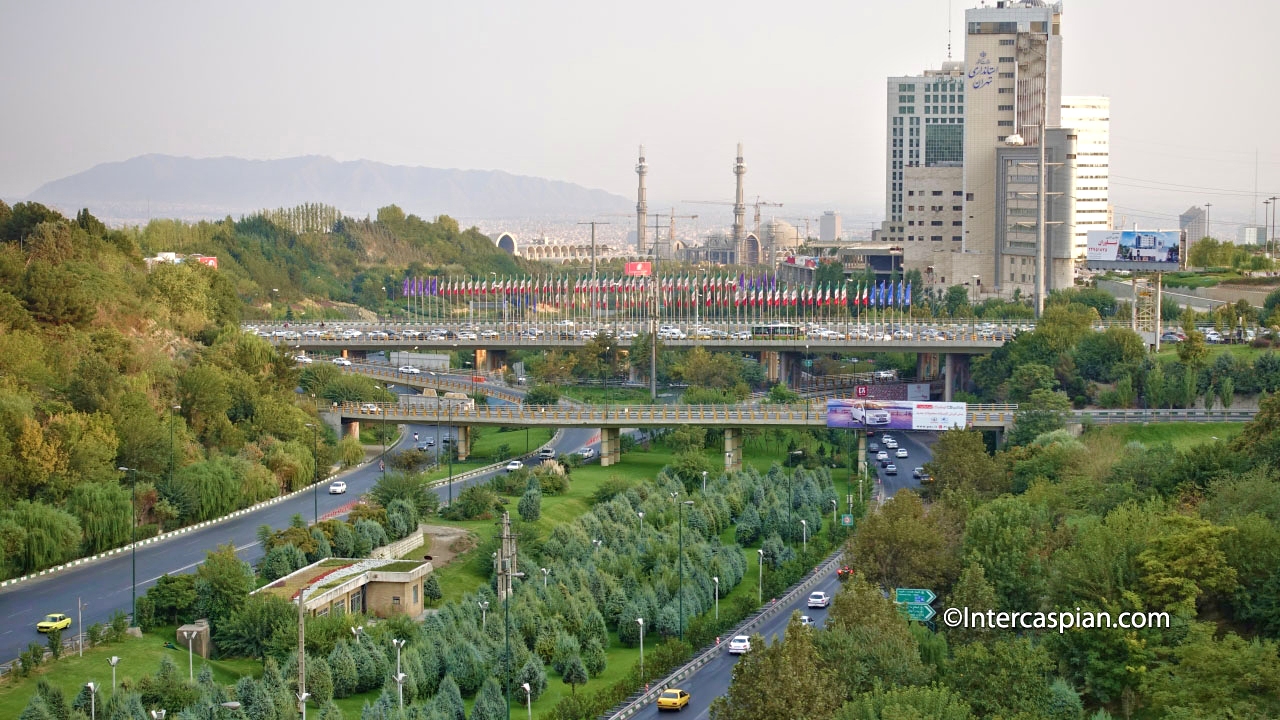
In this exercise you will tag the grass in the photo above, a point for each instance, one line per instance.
(139, 657)
(608, 396)
(1180, 435)
(1241, 351)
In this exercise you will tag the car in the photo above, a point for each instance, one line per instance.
(587, 453)
(882, 455)
(890, 469)
(873, 416)
(891, 444)
(673, 699)
(341, 361)
(514, 465)
(873, 448)
(740, 335)
(489, 334)
(886, 438)
(53, 621)
(410, 370)
(902, 452)
(547, 454)
(378, 335)
(917, 473)
(739, 645)
(303, 359)
(468, 336)
(819, 600)
(337, 487)
(426, 444)
(627, 335)
(886, 374)
(806, 621)
(370, 408)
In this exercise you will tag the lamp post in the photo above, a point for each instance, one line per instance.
(484, 614)
(190, 636)
(506, 630)
(641, 621)
(400, 677)
(113, 661)
(133, 536)
(680, 560)
(835, 507)
(399, 643)
(704, 482)
(804, 538)
(159, 714)
(302, 703)
(673, 496)
(597, 543)
(315, 478)
(356, 631)
(716, 580)
(545, 573)
(760, 591)
(93, 699)
(528, 699)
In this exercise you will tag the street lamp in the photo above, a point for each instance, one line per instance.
(545, 573)
(302, 703)
(835, 507)
(399, 677)
(680, 560)
(356, 631)
(93, 699)
(716, 580)
(528, 698)
(641, 621)
(760, 591)
(399, 643)
(673, 496)
(190, 636)
(159, 714)
(315, 460)
(113, 661)
(484, 613)
(804, 537)
(704, 482)
(597, 543)
(133, 538)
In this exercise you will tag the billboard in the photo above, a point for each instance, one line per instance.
(857, 414)
(1134, 249)
(639, 269)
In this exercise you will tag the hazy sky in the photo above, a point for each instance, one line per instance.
(567, 90)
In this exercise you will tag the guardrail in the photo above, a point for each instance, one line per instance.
(1115, 417)
(640, 700)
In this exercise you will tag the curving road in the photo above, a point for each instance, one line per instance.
(104, 586)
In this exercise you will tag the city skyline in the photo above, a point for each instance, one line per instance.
(568, 93)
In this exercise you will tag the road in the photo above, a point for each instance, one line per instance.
(104, 586)
(712, 680)
(917, 445)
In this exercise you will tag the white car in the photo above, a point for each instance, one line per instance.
(303, 360)
(410, 370)
(891, 444)
(337, 487)
(819, 600)
(489, 334)
(740, 335)
(378, 335)
(882, 455)
(468, 336)
(739, 645)
(806, 621)
(587, 453)
(514, 465)
(341, 361)
(902, 452)
(370, 408)
(351, 334)
(313, 333)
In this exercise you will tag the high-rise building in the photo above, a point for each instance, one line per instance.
(1252, 235)
(829, 226)
(1192, 223)
(924, 153)
(1090, 118)
(1014, 54)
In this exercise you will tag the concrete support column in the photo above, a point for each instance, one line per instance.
(464, 441)
(769, 359)
(786, 366)
(610, 446)
(481, 361)
(948, 377)
(732, 449)
(495, 360)
(351, 428)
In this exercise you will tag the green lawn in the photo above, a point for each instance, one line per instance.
(1242, 351)
(138, 657)
(1181, 435)
(608, 396)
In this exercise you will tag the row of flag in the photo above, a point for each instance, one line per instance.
(677, 291)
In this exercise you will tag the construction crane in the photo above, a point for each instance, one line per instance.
(806, 222)
(671, 232)
(758, 204)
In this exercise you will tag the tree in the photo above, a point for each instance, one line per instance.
(222, 584)
(542, 394)
(960, 462)
(431, 588)
(781, 394)
(533, 673)
(575, 674)
(490, 703)
(902, 546)
(956, 301)
(1027, 379)
(1184, 562)
(174, 597)
(254, 628)
(936, 702)
(1206, 677)
(974, 592)
(530, 507)
(448, 700)
(1192, 352)
(1044, 411)
(1005, 677)
(1007, 538)
(766, 686)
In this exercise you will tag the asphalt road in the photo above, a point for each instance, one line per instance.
(712, 680)
(917, 444)
(104, 586)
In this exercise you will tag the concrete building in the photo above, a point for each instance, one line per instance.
(1017, 193)
(829, 226)
(1013, 50)
(1192, 223)
(1090, 118)
(1252, 235)
(345, 585)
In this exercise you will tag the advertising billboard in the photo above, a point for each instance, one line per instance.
(639, 269)
(857, 414)
(1134, 249)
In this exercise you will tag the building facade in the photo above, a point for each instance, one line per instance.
(1090, 118)
(1017, 209)
(829, 229)
(1192, 223)
(1252, 235)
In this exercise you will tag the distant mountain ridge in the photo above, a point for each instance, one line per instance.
(167, 186)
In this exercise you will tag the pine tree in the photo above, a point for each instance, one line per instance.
(342, 665)
(448, 701)
(575, 674)
(432, 589)
(535, 674)
(490, 703)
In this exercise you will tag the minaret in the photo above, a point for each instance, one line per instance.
(739, 206)
(642, 204)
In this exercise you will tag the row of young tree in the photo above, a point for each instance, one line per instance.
(1060, 524)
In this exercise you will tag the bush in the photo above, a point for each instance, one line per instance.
(146, 610)
(530, 507)
(432, 589)
(474, 503)
(612, 487)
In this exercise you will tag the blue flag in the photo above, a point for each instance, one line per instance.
(907, 299)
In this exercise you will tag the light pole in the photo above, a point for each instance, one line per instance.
(399, 643)
(315, 478)
(484, 614)
(159, 714)
(673, 496)
(716, 580)
(545, 573)
(356, 631)
(704, 482)
(190, 636)
(641, 621)
(506, 628)
(302, 702)
(528, 698)
(400, 677)
(680, 560)
(835, 507)
(804, 538)
(93, 699)
(597, 543)
(760, 591)
(113, 661)
(133, 537)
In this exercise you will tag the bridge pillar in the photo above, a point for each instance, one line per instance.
(948, 377)
(769, 359)
(463, 441)
(610, 446)
(351, 428)
(732, 449)
(494, 360)
(481, 360)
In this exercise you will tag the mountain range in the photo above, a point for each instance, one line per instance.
(165, 186)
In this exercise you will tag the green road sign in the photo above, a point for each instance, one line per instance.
(846, 520)
(917, 611)
(808, 363)
(913, 595)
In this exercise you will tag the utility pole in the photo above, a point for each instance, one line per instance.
(595, 302)
(302, 654)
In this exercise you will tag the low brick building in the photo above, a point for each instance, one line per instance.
(343, 585)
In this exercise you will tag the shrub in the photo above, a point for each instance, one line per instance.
(474, 503)
(530, 507)
(146, 610)
(432, 589)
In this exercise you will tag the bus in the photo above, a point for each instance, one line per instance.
(776, 330)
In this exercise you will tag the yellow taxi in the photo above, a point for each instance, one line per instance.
(53, 621)
(673, 699)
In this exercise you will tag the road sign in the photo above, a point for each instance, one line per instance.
(917, 611)
(846, 520)
(913, 595)
(862, 391)
(639, 269)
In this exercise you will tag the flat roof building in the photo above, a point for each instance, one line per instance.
(349, 585)
(1090, 118)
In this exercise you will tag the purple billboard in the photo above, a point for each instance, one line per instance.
(858, 414)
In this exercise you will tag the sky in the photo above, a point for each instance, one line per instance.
(567, 90)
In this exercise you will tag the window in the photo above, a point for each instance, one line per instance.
(957, 208)
(935, 238)
(956, 193)
(956, 223)
(955, 238)
(1003, 108)
(1005, 123)
(415, 593)
(1006, 59)
(936, 223)
(1006, 76)
(968, 197)
(1008, 41)
(1006, 91)
(937, 193)
(395, 601)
